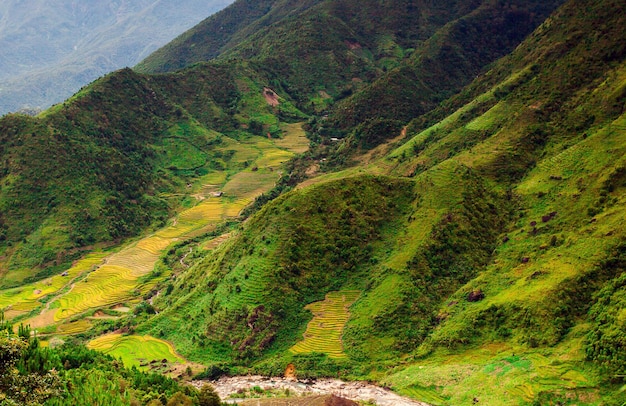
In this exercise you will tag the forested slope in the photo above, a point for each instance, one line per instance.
(455, 233)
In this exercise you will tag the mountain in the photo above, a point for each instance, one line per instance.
(454, 232)
(52, 48)
(125, 176)
(484, 243)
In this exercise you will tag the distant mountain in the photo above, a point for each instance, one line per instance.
(49, 49)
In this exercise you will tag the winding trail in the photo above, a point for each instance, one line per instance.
(182, 260)
(357, 391)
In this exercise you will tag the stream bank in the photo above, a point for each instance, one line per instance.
(228, 387)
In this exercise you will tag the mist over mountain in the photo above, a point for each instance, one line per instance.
(49, 49)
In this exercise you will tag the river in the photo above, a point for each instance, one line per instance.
(357, 391)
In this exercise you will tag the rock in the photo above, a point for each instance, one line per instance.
(475, 296)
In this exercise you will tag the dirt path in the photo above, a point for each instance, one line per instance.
(358, 391)
(182, 260)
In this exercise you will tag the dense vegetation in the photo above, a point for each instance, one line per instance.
(476, 227)
(113, 158)
(73, 375)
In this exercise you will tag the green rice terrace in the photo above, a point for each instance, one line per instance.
(64, 304)
(433, 201)
(136, 350)
(323, 333)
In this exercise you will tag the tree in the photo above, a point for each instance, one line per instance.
(28, 388)
(208, 396)
(179, 399)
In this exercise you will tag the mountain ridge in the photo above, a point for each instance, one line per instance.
(52, 50)
(481, 236)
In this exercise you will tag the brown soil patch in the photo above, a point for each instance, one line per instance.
(337, 401)
(46, 318)
(10, 314)
(179, 371)
(382, 149)
(353, 44)
(290, 372)
(324, 95)
(270, 97)
(101, 315)
(312, 170)
(319, 400)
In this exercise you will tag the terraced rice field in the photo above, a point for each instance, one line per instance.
(106, 286)
(249, 183)
(294, 139)
(136, 350)
(75, 327)
(26, 298)
(274, 158)
(424, 394)
(117, 278)
(154, 245)
(323, 333)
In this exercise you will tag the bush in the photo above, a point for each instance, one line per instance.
(208, 397)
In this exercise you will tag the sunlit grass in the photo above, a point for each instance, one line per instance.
(26, 297)
(135, 350)
(323, 333)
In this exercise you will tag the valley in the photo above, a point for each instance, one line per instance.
(416, 205)
(122, 277)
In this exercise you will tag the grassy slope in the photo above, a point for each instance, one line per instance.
(446, 62)
(559, 144)
(117, 156)
(524, 142)
(279, 261)
(148, 130)
(510, 195)
(360, 41)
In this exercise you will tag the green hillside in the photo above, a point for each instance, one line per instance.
(114, 159)
(503, 261)
(454, 233)
(343, 45)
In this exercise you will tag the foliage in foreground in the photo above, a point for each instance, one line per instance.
(74, 375)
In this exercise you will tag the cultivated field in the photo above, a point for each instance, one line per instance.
(104, 280)
(323, 334)
(139, 351)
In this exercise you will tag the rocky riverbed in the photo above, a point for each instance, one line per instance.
(228, 387)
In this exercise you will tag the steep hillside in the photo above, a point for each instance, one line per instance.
(125, 117)
(499, 258)
(52, 49)
(459, 239)
(105, 164)
(206, 40)
(358, 43)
